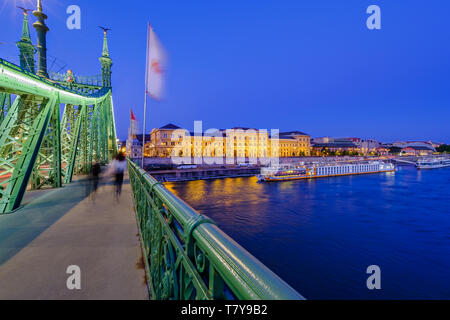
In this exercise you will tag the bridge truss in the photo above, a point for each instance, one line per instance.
(49, 132)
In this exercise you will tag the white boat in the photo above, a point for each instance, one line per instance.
(433, 163)
(321, 170)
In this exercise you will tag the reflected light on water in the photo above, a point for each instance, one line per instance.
(321, 235)
(242, 193)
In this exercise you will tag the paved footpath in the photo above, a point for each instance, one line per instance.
(62, 227)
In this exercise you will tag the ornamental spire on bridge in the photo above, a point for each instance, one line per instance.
(105, 60)
(105, 44)
(41, 30)
(25, 45)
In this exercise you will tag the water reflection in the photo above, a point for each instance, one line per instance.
(242, 204)
(321, 235)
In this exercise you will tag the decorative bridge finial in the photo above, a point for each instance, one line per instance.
(105, 60)
(25, 11)
(25, 45)
(105, 30)
(39, 5)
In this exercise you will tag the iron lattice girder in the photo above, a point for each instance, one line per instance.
(35, 146)
(5, 105)
(47, 169)
(16, 187)
(71, 135)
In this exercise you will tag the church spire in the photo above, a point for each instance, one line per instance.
(26, 48)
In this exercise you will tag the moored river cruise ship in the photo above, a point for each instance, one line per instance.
(433, 163)
(321, 170)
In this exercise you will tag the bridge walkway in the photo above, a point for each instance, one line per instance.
(64, 227)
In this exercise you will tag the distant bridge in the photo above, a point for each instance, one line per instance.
(410, 162)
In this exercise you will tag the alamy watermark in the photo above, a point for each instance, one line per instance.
(374, 281)
(74, 280)
(73, 22)
(374, 20)
(220, 147)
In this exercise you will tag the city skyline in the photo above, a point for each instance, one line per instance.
(190, 129)
(288, 66)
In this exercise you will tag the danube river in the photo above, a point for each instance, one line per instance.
(321, 235)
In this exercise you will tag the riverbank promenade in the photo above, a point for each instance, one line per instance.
(65, 227)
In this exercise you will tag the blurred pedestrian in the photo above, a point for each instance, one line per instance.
(95, 178)
(118, 166)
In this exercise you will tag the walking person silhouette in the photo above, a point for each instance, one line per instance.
(119, 165)
(95, 179)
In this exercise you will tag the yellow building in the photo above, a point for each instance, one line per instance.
(164, 140)
(171, 140)
(247, 143)
(294, 144)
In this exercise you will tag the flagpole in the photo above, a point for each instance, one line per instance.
(145, 100)
(143, 135)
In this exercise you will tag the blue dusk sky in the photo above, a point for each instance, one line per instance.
(309, 65)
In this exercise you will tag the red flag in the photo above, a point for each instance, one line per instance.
(133, 130)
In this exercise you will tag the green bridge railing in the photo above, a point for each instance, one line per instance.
(187, 257)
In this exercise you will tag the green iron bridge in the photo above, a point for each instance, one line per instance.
(185, 256)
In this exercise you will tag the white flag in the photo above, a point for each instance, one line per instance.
(156, 65)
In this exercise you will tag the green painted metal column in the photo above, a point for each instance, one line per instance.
(66, 125)
(2, 106)
(56, 144)
(47, 169)
(75, 138)
(83, 155)
(114, 147)
(89, 146)
(103, 134)
(95, 147)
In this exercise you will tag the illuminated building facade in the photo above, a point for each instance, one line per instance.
(294, 144)
(237, 142)
(418, 151)
(344, 146)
